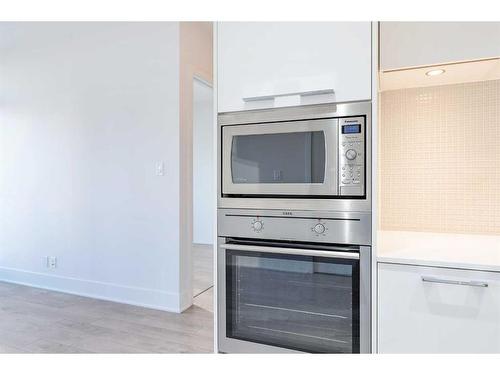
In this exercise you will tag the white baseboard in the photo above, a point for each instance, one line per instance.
(186, 300)
(151, 298)
(203, 244)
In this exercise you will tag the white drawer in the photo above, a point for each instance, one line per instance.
(454, 311)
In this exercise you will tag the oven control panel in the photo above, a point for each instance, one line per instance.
(307, 226)
(318, 228)
(352, 156)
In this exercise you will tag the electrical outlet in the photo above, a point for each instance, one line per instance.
(51, 262)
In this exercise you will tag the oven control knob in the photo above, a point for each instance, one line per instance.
(257, 225)
(319, 228)
(351, 154)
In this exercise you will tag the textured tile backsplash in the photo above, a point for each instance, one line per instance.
(440, 159)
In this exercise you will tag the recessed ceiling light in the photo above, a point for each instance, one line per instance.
(435, 72)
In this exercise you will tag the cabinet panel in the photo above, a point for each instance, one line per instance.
(411, 44)
(265, 59)
(417, 316)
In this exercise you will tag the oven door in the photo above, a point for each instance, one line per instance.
(285, 299)
(281, 159)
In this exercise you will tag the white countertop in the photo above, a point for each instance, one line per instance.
(476, 252)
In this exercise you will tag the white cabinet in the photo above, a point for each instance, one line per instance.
(270, 64)
(411, 44)
(454, 311)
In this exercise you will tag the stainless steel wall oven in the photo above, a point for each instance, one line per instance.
(280, 292)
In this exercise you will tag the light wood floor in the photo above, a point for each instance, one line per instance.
(40, 321)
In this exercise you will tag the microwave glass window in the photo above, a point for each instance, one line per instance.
(296, 302)
(295, 158)
(351, 129)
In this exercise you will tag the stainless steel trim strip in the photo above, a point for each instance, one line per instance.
(295, 217)
(302, 93)
(365, 300)
(293, 251)
(430, 279)
(327, 110)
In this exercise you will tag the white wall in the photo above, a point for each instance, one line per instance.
(86, 110)
(203, 168)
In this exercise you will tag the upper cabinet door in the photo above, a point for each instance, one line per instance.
(278, 64)
(413, 44)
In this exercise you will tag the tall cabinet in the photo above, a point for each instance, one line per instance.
(264, 65)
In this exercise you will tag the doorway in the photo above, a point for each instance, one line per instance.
(203, 194)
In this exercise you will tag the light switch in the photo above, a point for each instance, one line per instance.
(160, 168)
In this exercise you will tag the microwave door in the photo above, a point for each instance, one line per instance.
(281, 159)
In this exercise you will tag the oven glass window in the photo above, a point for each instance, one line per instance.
(302, 303)
(284, 158)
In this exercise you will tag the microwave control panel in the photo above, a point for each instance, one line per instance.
(351, 156)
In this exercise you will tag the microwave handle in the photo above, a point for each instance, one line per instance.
(292, 251)
(301, 93)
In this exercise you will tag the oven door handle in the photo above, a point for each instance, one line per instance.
(292, 251)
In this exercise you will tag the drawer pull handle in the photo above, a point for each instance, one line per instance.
(430, 279)
(303, 93)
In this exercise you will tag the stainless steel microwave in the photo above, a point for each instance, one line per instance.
(315, 157)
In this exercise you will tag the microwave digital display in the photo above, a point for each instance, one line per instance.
(351, 129)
